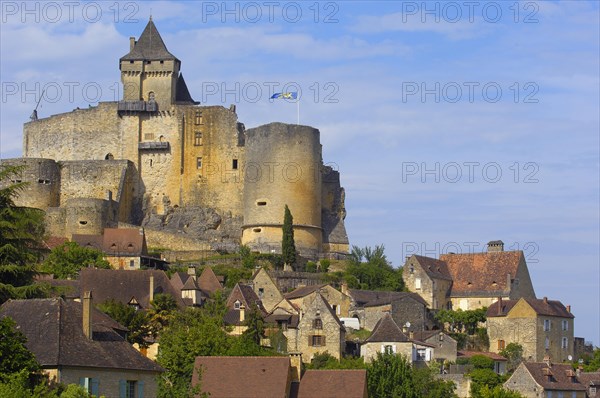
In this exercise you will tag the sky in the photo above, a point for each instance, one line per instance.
(452, 123)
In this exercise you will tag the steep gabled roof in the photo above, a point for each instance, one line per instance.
(122, 285)
(149, 47)
(249, 377)
(337, 383)
(540, 306)
(482, 273)
(182, 94)
(375, 298)
(54, 332)
(589, 379)
(208, 282)
(424, 335)
(434, 268)
(386, 330)
(303, 291)
(190, 284)
(116, 241)
(554, 377)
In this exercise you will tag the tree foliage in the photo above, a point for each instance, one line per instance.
(288, 246)
(21, 233)
(391, 375)
(459, 321)
(513, 352)
(137, 321)
(14, 355)
(497, 392)
(370, 269)
(324, 360)
(66, 260)
(592, 363)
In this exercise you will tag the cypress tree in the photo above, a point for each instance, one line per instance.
(288, 248)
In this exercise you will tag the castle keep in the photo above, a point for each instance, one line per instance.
(192, 175)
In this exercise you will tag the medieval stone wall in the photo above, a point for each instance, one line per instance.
(42, 182)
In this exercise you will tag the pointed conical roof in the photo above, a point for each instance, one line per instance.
(208, 281)
(387, 330)
(190, 284)
(150, 46)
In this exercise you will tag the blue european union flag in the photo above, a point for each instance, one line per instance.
(289, 95)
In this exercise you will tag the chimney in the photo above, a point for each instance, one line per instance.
(344, 287)
(569, 309)
(579, 370)
(151, 288)
(411, 335)
(499, 305)
(545, 300)
(242, 313)
(87, 314)
(296, 366)
(131, 43)
(547, 361)
(495, 246)
(192, 272)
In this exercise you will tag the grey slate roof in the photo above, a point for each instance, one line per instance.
(54, 332)
(387, 329)
(374, 298)
(540, 306)
(149, 47)
(434, 268)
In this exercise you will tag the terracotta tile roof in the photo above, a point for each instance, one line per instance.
(122, 285)
(178, 279)
(477, 273)
(54, 241)
(559, 378)
(491, 355)
(54, 332)
(333, 384)
(91, 241)
(208, 282)
(243, 377)
(303, 291)
(540, 306)
(434, 268)
(149, 46)
(386, 329)
(374, 298)
(589, 378)
(116, 241)
(246, 295)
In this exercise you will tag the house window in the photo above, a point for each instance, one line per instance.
(131, 263)
(283, 325)
(261, 292)
(234, 164)
(197, 138)
(199, 163)
(546, 325)
(547, 343)
(417, 283)
(412, 269)
(565, 325)
(388, 349)
(501, 344)
(316, 341)
(89, 384)
(131, 389)
(198, 118)
(565, 342)
(421, 354)
(592, 391)
(318, 324)
(236, 305)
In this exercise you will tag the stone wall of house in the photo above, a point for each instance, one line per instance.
(288, 280)
(109, 380)
(409, 310)
(266, 290)
(462, 383)
(434, 291)
(369, 350)
(522, 382)
(445, 347)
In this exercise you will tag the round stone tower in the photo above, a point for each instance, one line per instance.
(42, 178)
(283, 166)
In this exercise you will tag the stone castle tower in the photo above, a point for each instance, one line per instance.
(192, 175)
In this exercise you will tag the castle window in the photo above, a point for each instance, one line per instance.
(148, 136)
(131, 61)
(151, 96)
(198, 138)
(261, 203)
(565, 324)
(256, 230)
(82, 222)
(565, 342)
(198, 118)
(318, 324)
(109, 156)
(199, 163)
(162, 62)
(148, 62)
(316, 341)
(234, 164)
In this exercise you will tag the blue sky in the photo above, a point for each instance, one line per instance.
(452, 123)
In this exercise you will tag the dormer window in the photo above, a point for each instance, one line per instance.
(237, 305)
(318, 324)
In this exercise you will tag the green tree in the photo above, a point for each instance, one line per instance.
(288, 247)
(514, 353)
(459, 321)
(497, 392)
(66, 260)
(21, 233)
(162, 312)
(370, 269)
(248, 258)
(390, 375)
(256, 325)
(137, 321)
(14, 355)
(592, 364)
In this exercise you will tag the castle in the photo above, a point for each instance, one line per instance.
(192, 175)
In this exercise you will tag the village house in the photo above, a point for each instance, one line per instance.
(260, 377)
(241, 300)
(266, 289)
(77, 344)
(591, 381)
(303, 296)
(430, 279)
(388, 337)
(543, 327)
(547, 380)
(445, 346)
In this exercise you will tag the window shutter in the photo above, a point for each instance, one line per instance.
(383, 348)
(95, 383)
(427, 355)
(323, 342)
(394, 348)
(122, 389)
(82, 381)
(140, 389)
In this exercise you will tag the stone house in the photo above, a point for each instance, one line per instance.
(387, 337)
(445, 346)
(591, 381)
(547, 380)
(260, 377)
(319, 330)
(303, 296)
(241, 300)
(266, 289)
(77, 344)
(430, 279)
(478, 279)
(543, 327)
(368, 306)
